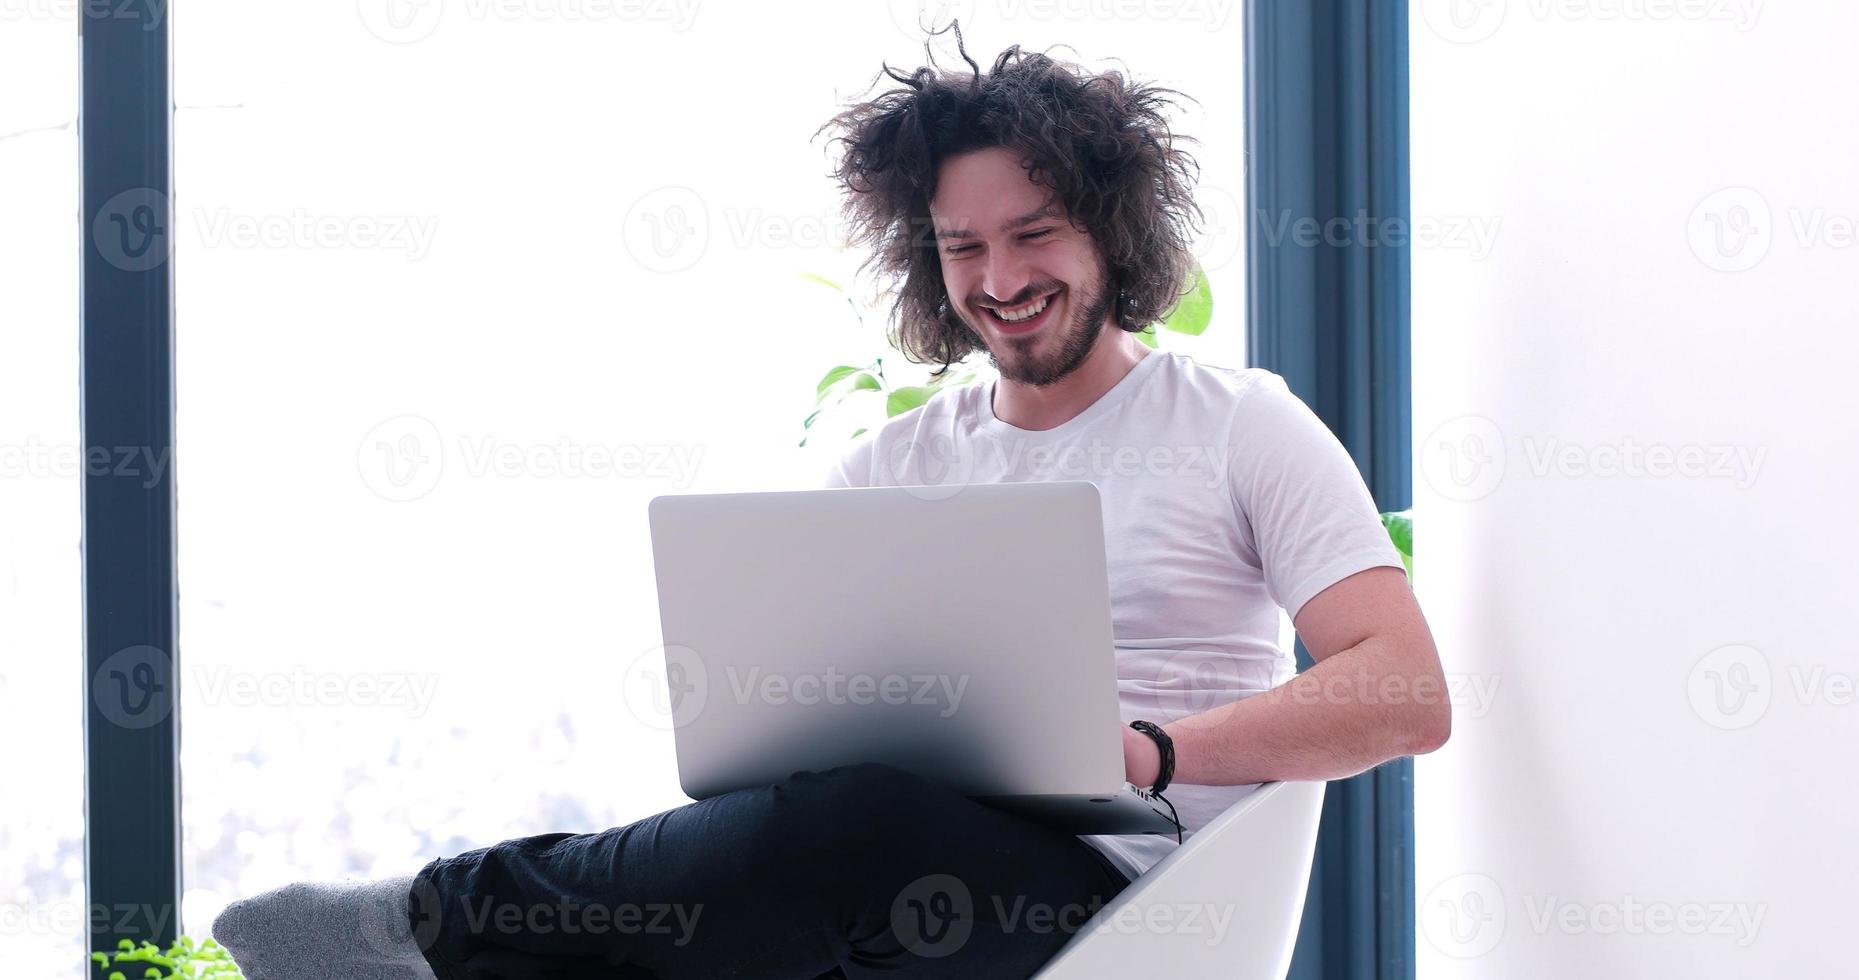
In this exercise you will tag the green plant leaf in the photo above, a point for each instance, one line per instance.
(822, 280)
(904, 399)
(1400, 525)
(1147, 336)
(856, 434)
(832, 378)
(1194, 310)
(846, 384)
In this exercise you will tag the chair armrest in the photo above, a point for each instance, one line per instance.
(1226, 903)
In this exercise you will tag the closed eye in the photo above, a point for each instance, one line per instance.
(959, 249)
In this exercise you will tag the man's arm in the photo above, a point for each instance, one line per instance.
(1375, 692)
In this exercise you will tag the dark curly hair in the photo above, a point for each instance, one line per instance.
(1098, 142)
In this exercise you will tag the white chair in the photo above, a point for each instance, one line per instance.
(1250, 866)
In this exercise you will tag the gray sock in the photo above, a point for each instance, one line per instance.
(356, 930)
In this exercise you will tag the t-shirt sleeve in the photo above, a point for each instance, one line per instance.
(1303, 505)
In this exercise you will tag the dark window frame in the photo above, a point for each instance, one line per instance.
(132, 842)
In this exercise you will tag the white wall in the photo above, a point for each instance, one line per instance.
(1673, 186)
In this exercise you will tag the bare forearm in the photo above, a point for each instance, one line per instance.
(1349, 713)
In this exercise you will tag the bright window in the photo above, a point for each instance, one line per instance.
(460, 287)
(41, 474)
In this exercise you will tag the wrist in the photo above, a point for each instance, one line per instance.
(1164, 748)
(1142, 758)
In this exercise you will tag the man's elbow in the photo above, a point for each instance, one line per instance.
(1429, 727)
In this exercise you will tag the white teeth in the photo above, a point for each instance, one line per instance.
(1024, 312)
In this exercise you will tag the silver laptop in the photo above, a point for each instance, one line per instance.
(959, 632)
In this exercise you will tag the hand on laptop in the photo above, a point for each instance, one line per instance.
(1142, 760)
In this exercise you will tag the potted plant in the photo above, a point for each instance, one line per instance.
(184, 959)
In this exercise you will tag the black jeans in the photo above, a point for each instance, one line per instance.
(859, 871)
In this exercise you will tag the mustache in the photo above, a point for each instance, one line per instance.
(1021, 298)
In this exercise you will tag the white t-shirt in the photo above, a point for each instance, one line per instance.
(1224, 498)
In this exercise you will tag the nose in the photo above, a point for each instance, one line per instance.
(1006, 276)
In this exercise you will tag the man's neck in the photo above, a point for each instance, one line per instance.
(1027, 407)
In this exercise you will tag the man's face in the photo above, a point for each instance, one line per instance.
(1005, 246)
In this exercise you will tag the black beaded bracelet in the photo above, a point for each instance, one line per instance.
(1167, 747)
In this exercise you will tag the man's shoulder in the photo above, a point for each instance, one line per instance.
(1187, 378)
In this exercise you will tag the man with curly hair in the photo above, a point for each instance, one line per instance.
(1039, 214)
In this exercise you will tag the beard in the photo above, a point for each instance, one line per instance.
(1020, 359)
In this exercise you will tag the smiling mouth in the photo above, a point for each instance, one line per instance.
(1024, 318)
